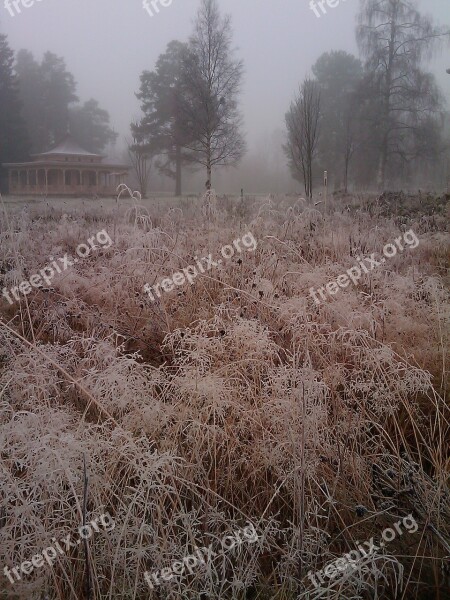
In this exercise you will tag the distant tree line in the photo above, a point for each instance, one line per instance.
(374, 121)
(39, 105)
(381, 122)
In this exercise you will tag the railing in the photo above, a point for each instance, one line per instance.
(63, 190)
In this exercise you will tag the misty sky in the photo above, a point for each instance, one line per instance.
(108, 43)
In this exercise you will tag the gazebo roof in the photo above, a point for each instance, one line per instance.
(67, 146)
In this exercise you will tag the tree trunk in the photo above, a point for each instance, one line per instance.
(208, 166)
(310, 178)
(178, 172)
(346, 165)
(384, 151)
(383, 163)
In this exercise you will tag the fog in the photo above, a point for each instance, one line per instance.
(108, 43)
(224, 299)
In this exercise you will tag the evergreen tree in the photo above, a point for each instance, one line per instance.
(14, 144)
(89, 126)
(48, 93)
(161, 131)
(32, 99)
(339, 76)
(58, 93)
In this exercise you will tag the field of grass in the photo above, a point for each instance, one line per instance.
(236, 400)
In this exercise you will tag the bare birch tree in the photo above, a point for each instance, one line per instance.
(213, 79)
(395, 38)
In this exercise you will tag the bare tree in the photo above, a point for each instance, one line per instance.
(213, 79)
(141, 161)
(395, 38)
(351, 139)
(349, 146)
(302, 122)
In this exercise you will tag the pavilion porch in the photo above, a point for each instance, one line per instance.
(64, 181)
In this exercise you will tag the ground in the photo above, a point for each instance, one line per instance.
(239, 397)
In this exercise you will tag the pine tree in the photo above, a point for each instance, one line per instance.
(89, 126)
(14, 144)
(161, 131)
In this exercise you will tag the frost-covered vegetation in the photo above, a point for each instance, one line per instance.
(231, 401)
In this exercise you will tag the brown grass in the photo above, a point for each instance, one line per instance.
(236, 399)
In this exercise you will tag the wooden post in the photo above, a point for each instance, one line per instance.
(325, 183)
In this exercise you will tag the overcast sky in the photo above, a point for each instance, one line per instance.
(108, 43)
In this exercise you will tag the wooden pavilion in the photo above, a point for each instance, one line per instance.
(66, 170)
